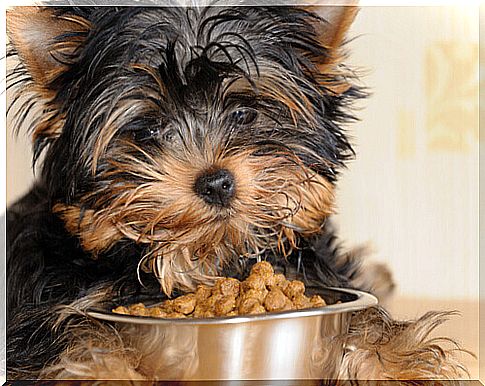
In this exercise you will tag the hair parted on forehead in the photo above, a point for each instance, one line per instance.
(139, 102)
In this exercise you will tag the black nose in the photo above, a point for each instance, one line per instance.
(216, 187)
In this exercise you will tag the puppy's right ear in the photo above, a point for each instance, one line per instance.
(46, 43)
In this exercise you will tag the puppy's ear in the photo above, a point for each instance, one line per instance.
(331, 32)
(337, 20)
(45, 42)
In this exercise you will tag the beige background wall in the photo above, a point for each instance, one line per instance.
(413, 190)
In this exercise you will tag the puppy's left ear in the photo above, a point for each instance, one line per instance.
(331, 33)
(46, 43)
(337, 19)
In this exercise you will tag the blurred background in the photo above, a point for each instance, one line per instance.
(412, 192)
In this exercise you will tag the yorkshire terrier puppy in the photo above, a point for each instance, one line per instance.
(176, 145)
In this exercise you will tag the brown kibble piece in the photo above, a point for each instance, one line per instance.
(228, 287)
(276, 300)
(121, 310)
(263, 268)
(139, 309)
(289, 306)
(301, 301)
(317, 301)
(256, 309)
(254, 282)
(294, 288)
(282, 283)
(158, 312)
(202, 292)
(280, 278)
(252, 293)
(225, 305)
(212, 301)
(201, 311)
(167, 306)
(176, 315)
(247, 304)
(184, 304)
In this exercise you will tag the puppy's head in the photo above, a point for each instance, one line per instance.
(204, 134)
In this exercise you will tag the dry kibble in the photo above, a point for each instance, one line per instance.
(158, 312)
(225, 305)
(294, 288)
(139, 309)
(247, 304)
(167, 306)
(176, 315)
(262, 291)
(210, 303)
(282, 283)
(276, 300)
(317, 301)
(289, 306)
(301, 301)
(263, 269)
(122, 310)
(254, 282)
(201, 311)
(202, 292)
(252, 293)
(279, 279)
(184, 304)
(228, 287)
(256, 309)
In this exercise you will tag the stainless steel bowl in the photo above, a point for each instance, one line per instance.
(303, 344)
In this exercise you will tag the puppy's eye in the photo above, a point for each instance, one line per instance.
(170, 136)
(145, 134)
(243, 116)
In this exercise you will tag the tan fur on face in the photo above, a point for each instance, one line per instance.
(98, 233)
(276, 199)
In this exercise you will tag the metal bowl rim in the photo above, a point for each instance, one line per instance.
(364, 300)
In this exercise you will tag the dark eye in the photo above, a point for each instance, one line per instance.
(243, 116)
(145, 134)
(170, 136)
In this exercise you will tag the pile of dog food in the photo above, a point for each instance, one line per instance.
(262, 291)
